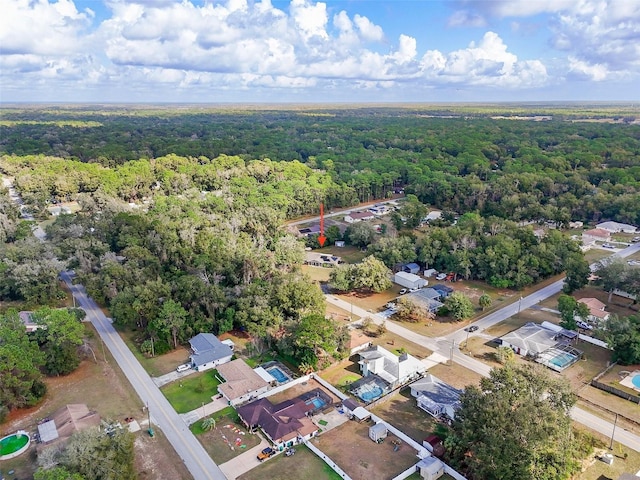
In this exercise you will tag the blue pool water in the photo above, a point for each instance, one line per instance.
(371, 393)
(317, 402)
(636, 381)
(278, 375)
(562, 360)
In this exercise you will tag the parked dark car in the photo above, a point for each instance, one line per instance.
(471, 328)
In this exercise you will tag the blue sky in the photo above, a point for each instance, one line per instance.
(213, 51)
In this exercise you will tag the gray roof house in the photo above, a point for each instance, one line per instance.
(426, 298)
(208, 352)
(435, 396)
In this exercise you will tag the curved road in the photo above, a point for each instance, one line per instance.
(194, 456)
(448, 346)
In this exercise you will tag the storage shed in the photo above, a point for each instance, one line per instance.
(409, 280)
(431, 468)
(378, 432)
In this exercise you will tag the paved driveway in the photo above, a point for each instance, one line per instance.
(243, 463)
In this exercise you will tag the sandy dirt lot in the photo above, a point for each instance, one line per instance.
(351, 448)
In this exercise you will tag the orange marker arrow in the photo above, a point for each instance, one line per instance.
(321, 237)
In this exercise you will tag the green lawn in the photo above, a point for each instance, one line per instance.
(191, 392)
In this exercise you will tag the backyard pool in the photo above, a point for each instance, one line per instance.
(562, 360)
(636, 381)
(13, 445)
(318, 403)
(276, 373)
(369, 392)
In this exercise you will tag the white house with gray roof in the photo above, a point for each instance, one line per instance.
(208, 352)
(436, 397)
(393, 369)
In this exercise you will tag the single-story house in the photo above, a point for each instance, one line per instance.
(409, 280)
(597, 311)
(310, 230)
(436, 397)
(589, 237)
(66, 421)
(349, 405)
(393, 369)
(27, 321)
(285, 424)
(241, 382)
(616, 227)
(410, 268)
(56, 210)
(426, 298)
(432, 215)
(380, 210)
(622, 293)
(444, 290)
(530, 339)
(354, 217)
(208, 352)
(321, 259)
(430, 468)
(378, 432)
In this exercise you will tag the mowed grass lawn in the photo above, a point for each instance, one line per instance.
(304, 464)
(191, 392)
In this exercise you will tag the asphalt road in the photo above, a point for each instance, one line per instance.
(194, 456)
(342, 212)
(448, 346)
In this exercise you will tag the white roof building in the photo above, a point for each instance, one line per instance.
(616, 227)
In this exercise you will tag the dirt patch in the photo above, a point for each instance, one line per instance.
(304, 464)
(350, 447)
(456, 375)
(152, 463)
(104, 388)
(227, 440)
(401, 411)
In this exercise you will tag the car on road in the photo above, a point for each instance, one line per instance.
(183, 368)
(584, 326)
(471, 328)
(266, 453)
(635, 240)
(441, 276)
(403, 291)
(607, 245)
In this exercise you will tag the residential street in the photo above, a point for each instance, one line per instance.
(163, 415)
(339, 213)
(447, 346)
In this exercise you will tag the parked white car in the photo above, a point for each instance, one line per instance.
(183, 368)
(584, 326)
(441, 276)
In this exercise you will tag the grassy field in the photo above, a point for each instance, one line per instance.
(191, 392)
(595, 469)
(303, 465)
(456, 375)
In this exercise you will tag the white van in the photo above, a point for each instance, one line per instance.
(183, 368)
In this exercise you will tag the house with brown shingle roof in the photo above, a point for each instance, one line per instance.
(285, 423)
(597, 311)
(241, 382)
(589, 237)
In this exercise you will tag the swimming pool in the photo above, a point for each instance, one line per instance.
(636, 381)
(318, 403)
(368, 393)
(276, 373)
(562, 359)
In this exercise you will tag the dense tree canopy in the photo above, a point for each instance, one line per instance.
(516, 425)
